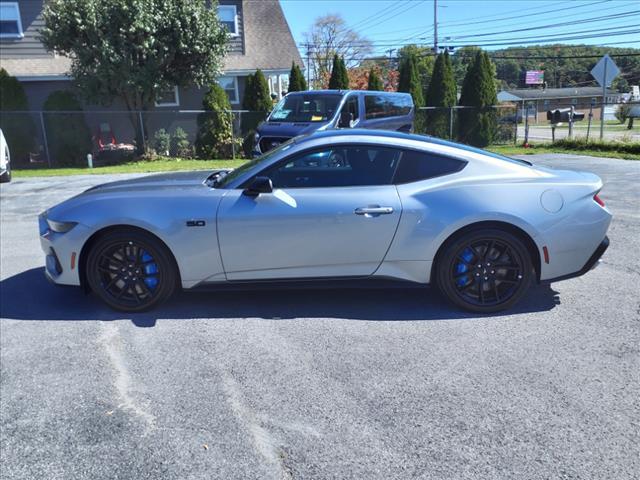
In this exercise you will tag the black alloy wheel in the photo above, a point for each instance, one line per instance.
(485, 271)
(131, 271)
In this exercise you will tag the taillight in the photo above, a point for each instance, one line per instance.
(598, 200)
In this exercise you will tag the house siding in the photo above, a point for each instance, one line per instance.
(29, 46)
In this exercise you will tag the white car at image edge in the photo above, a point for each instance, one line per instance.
(5, 160)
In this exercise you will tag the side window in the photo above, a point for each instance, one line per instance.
(374, 107)
(388, 105)
(415, 166)
(351, 106)
(340, 166)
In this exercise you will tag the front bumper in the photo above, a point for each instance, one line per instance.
(592, 263)
(62, 253)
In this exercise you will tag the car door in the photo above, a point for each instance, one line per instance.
(333, 212)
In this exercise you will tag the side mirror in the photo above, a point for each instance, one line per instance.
(257, 186)
(345, 120)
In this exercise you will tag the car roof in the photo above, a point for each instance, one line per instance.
(390, 134)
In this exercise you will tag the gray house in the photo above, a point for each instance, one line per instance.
(260, 38)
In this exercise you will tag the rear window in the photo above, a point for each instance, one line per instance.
(415, 166)
(387, 105)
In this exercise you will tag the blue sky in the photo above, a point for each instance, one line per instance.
(391, 23)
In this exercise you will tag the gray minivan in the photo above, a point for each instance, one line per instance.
(312, 110)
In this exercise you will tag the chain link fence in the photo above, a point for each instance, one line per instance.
(41, 139)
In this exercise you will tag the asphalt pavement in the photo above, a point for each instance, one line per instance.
(330, 384)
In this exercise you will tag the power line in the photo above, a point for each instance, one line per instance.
(554, 25)
(533, 40)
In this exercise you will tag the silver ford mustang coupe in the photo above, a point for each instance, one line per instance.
(334, 208)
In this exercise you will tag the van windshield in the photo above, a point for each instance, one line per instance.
(305, 108)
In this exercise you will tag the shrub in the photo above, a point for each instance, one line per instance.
(256, 93)
(441, 93)
(477, 126)
(68, 135)
(180, 145)
(249, 143)
(374, 82)
(297, 83)
(622, 112)
(339, 79)
(18, 128)
(162, 142)
(215, 137)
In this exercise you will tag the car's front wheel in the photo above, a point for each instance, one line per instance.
(484, 270)
(130, 270)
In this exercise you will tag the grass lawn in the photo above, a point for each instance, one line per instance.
(162, 165)
(511, 150)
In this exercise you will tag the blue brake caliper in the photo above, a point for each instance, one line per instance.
(467, 256)
(150, 269)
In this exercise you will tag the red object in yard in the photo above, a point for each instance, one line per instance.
(105, 138)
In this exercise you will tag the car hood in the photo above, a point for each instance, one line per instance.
(160, 181)
(289, 129)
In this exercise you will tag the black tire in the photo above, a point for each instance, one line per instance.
(131, 271)
(484, 270)
(6, 176)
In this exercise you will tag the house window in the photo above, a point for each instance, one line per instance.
(229, 18)
(10, 23)
(230, 86)
(170, 98)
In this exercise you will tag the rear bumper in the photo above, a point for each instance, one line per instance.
(593, 261)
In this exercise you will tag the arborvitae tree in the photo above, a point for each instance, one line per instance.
(374, 81)
(214, 138)
(441, 93)
(18, 128)
(409, 82)
(478, 125)
(339, 79)
(256, 93)
(68, 135)
(297, 83)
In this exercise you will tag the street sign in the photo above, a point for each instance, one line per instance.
(605, 71)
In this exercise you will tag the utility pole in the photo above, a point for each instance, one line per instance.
(435, 27)
(308, 66)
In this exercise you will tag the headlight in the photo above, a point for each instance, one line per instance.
(60, 227)
(256, 137)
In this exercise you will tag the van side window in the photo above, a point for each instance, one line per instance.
(388, 105)
(415, 166)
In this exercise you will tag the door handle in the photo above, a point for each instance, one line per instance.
(373, 211)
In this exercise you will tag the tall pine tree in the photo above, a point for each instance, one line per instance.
(441, 93)
(297, 83)
(478, 125)
(374, 81)
(339, 79)
(409, 82)
(256, 93)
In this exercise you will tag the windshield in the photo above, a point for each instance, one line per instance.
(225, 178)
(305, 108)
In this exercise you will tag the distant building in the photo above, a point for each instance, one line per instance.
(539, 101)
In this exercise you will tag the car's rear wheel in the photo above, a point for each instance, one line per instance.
(131, 271)
(484, 270)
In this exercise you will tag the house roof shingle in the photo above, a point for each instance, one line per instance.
(269, 44)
